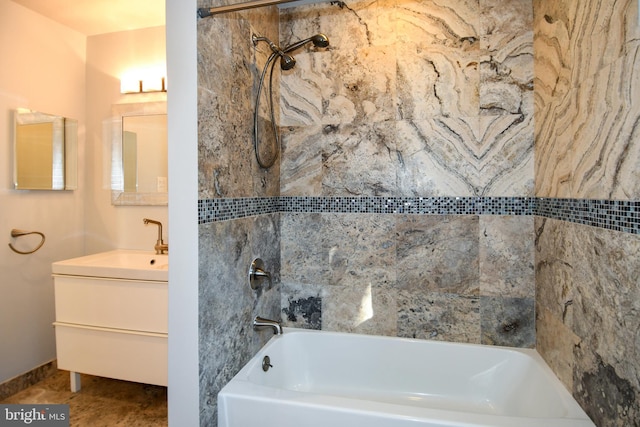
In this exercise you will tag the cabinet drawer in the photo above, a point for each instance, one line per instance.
(112, 303)
(123, 355)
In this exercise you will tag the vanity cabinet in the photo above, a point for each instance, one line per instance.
(110, 327)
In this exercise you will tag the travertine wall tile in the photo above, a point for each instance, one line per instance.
(555, 145)
(359, 160)
(587, 147)
(461, 100)
(302, 305)
(438, 254)
(438, 22)
(506, 256)
(340, 160)
(554, 260)
(506, 16)
(556, 343)
(587, 315)
(607, 161)
(506, 74)
(437, 80)
(607, 297)
(553, 31)
(226, 71)
(227, 304)
(439, 316)
(360, 308)
(411, 98)
(585, 108)
(338, 249)
(466, 156)
(228, 66)
(508, 321)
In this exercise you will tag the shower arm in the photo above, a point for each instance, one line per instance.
(274, 48)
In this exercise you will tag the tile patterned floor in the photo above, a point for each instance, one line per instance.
(101, 402)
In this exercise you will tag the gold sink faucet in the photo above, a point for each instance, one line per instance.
(160, 246)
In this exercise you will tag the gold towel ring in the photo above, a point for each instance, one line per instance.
(17, 233)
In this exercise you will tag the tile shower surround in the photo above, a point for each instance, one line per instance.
(494, 268)
(617, 215)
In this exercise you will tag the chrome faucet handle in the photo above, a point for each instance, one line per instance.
(257, 273)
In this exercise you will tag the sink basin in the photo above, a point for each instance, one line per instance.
(118, 264)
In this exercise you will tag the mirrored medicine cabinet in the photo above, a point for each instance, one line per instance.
(45, 151)
(139, 155)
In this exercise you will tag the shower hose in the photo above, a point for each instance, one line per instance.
(269, 65)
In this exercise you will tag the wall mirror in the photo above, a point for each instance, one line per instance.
(45, 151)
(139, 155)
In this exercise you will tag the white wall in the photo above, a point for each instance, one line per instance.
(183, 198)
(109, 56)
(43, 68)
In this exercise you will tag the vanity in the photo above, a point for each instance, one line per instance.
(112, 316)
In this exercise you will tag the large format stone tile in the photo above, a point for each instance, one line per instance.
(466, 156)
(438, 254)
(607, 298)
(556, 343)
(338, 249)
(302, 305)
(506, 256)
(438, 316)
(227, 304)
(227, 68)
(360, 308)
(448, 82)
(342, 160)
(508, 321)
(607, 162)
(555, 268)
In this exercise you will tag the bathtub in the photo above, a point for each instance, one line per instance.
(327, 379)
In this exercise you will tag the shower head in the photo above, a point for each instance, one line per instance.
(319, 40)
(287, 62)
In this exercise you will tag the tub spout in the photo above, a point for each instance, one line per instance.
(260, 322)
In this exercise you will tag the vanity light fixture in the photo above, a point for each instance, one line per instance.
(143, 81)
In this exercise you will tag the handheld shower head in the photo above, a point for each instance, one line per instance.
(287, 62)
(319, 40)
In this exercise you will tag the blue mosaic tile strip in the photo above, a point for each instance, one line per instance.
(411, 205)
(616, 215)
(211, 210)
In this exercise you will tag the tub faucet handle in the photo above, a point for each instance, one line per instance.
(257, 272)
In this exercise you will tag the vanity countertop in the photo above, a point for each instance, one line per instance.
(117, 264)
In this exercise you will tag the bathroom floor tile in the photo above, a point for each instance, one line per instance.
(101, 401)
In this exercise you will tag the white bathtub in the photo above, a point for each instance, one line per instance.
(326, 379)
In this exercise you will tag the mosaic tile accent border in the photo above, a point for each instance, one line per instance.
(212, 210)
(411, 205)
(618, 215)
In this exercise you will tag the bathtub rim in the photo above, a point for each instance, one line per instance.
(243, 389)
